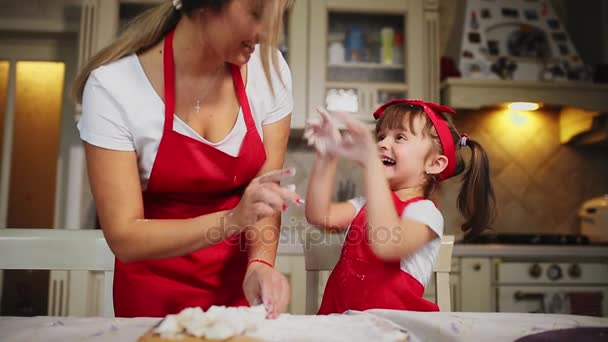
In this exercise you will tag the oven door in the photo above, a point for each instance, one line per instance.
(576, 300)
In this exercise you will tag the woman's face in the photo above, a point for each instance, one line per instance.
(234, 32)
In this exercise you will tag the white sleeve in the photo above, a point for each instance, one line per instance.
(102, 122)
(426, 212)
(283, 96)
(358, 203)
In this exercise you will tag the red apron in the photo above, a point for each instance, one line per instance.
(362, 281)
(189, 179)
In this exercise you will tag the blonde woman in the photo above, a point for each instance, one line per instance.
(185, 119)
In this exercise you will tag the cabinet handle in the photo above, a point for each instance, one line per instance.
(477, 267)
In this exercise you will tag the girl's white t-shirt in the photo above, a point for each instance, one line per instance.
(420, 264)
(122, 111)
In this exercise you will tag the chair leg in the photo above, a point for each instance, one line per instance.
(442, 291)
(108, 299)
(312, 292)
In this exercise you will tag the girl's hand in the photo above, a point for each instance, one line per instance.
(264, 197)
(265, 285)
(357, 143)
(322, 133)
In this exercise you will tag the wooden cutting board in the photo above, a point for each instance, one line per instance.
(150, 336)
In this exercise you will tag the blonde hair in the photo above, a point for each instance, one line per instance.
(150, 27)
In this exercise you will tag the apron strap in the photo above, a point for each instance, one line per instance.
(169, 80)
(169, 91)
(241, 94)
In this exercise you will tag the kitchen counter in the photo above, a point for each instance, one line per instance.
(291, 243)
(528, 251)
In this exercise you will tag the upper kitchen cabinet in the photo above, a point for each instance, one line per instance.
(363, 53)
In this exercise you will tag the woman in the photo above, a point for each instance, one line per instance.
(179, 117)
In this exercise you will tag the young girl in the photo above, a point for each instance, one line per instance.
(394, 236)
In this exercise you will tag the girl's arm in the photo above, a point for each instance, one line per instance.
(391, 237)
(320, 210)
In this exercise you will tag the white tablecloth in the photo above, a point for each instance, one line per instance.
(436, 326)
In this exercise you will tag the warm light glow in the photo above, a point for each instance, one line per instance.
(523, 106)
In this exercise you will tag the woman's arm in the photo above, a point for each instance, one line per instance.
(320, 210)
(391, 237)
(117, 192)
(264, 240)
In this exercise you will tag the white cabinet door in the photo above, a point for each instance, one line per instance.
(292, 266)
(296, 31)
(476, 285)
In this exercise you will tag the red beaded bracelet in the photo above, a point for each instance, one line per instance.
(260, 260)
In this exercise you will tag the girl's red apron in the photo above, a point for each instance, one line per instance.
(189, 179)
(362, 281)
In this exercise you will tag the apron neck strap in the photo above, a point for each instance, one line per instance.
(169, 82)
(241, 94)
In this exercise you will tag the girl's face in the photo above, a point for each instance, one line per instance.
(406, 153)
(234, 32)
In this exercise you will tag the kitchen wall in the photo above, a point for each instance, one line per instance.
(539, 183)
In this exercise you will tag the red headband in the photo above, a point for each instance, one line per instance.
(441, 126)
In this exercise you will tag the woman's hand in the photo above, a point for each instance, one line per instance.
(265, 285)
(264, 197)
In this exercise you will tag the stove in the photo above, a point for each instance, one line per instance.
(530, 239)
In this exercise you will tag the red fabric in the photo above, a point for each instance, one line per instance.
(362, 281)
(189, 179)
(441, 126)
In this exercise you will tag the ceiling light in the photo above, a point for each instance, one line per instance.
(523, 106)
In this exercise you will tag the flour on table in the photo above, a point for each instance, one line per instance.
(219, 322)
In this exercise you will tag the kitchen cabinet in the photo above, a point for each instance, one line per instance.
(476, 285)
(363, 53)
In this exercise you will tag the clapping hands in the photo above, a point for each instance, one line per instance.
(356, 143)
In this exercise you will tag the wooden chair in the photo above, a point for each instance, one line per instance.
(322, 251)
(60, 249)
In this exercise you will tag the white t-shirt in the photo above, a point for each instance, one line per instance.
(420, 264)
(122, 111)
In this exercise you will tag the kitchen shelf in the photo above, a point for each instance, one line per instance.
(366, 65)
(377, 85)
(462, 93)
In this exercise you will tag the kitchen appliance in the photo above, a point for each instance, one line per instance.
(553, 287)
(530, 239)
(593, 214)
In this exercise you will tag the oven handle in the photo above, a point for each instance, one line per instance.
(531, 296)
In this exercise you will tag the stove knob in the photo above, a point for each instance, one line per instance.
(535, 271)
(554, 272)
(574, 271)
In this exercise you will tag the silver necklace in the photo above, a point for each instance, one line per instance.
(204, 94)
